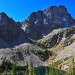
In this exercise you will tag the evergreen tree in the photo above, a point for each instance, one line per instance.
(73, 73)
(13, 71)
(59, 70)
(56, 72)
(31, 67)
(34, 73)
(0, 70)
(38, 73)
(46, 73)
(51, 71)
(25, 71)
(5, 72)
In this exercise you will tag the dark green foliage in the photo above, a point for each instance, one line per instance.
(5, 72)
(44, 55)
(29, 69)
(47, 72)
(13, 71)
(25, 70)
(6, 64)
(73, 71)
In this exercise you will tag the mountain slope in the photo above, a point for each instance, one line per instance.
(52, 29)
(57, 36)
(67, 52)
(21, 54)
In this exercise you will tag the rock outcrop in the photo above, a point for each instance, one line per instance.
(62, 35)
(41, 23)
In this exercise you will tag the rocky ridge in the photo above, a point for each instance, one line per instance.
(43, 22)
(49, 29)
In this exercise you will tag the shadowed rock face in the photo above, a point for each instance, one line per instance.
(11, 33)
(43, 22)
(9, 30)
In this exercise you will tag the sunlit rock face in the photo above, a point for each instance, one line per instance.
(62, 36)
(41, 23)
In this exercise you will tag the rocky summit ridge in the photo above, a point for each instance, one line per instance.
(43, 22)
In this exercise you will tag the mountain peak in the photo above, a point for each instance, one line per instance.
(61, 6)
(56, 11)
(8, 27)
(2, 14)
(43, 22)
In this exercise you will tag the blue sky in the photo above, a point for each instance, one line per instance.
(19, 10)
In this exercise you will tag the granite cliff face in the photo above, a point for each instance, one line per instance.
(43, 22)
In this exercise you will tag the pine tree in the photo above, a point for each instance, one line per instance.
(13, 72)
(46, 73)
(51, 71)
(56, 72)
(59, 70)
(0, 70)
(34, 73)
(73, 67)
(31, 67)
(25, 71)
(5, 72)
(38, 73)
